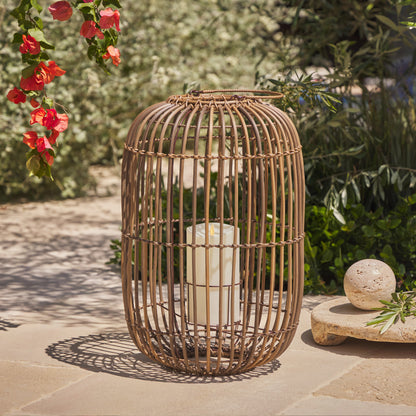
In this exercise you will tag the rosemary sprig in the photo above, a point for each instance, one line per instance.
(401, 306)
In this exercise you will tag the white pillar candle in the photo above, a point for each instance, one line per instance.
(213, 279)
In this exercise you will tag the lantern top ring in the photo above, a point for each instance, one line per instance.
(208, 97)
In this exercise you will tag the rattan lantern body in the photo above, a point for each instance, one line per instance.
(212, 231)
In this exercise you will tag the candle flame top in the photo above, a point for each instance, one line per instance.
(212, 230)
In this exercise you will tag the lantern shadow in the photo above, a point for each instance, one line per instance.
(115, 353)
(5, 325)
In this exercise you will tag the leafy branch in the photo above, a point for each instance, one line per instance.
(403, 305)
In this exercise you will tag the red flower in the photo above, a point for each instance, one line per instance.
(42, 75)
(54, 135)
(62, 123)
(47, 157)
(36, 116)
(89, 30)
(16, 96)
(30, 138)
(48, 73)
(33, 83)
(50, 119)
(60, 10)
(30, 45)
(34, 103)
(114, 54)
(110, 17)
(42, 143)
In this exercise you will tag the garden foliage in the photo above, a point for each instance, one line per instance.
(347, 69)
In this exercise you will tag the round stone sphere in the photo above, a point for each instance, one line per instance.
(367, 282)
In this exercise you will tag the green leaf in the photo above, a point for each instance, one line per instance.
(39, 22)
(36, 5)
(20, 11)
(46, 45)
(338, 216)
(47, 102)
(28, 71)
(327, 256)
(389, 323)
(33, 164)
(115, 4)
(388, 22)
(37, 34)
(17, 38)
(92, 50)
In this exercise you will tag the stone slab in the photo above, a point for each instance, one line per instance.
(335, 320)
(147, 389)
(331, 406)
(377, 380)
(23, 383)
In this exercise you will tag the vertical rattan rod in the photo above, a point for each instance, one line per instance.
(259, 211)
(268, 134)
(169, 229)
(207, 187)
(184, 330)
(247, 198)
(234, 215)
(194, 219)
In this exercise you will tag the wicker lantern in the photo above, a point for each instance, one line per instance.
(212, 231)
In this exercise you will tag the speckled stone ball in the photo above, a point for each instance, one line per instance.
(367, 282)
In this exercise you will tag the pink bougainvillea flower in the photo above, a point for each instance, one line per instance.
(48, 73)
(42, 146)
(30, 45)
(88, 1)
(30, 138)
(54, 135)
(114, 54)
(99, 34)
(60, 10)
(62, 123)
(37, 115)
(16, 96)
(34, 103)
(43, 74)
(110, 18)
(42, 143)
(34, 83)
(50, 119)
(88, 29)
(55, 70)
(48, 158)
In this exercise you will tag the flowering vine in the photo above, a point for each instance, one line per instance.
(100, 29)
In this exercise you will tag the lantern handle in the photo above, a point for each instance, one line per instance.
(269, 94)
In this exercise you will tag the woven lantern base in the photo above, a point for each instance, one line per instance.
(213, 224)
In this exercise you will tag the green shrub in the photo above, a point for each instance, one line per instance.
(331, 247)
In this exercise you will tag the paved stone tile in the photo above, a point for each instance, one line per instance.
(22, 383)
(28, 342)
(378, 379)
(155, 391)
(340, 407)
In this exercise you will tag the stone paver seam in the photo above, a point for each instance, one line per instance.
(46, 395)
(312, 394)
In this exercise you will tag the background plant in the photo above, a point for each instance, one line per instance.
(359, 158)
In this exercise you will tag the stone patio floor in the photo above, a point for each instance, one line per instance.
(65, 350)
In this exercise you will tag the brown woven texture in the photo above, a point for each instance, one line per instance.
(226, 305)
